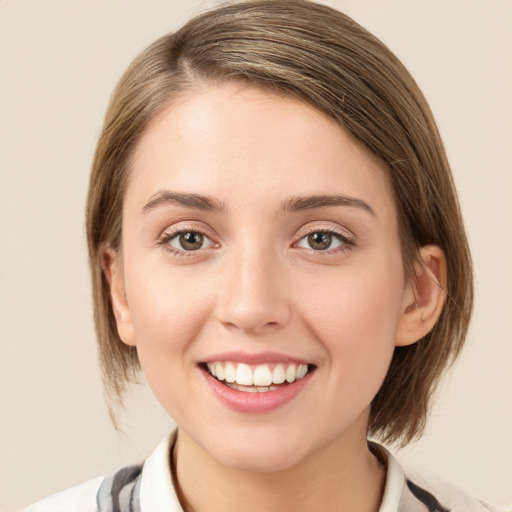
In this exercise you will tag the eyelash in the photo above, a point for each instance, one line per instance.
(167, 237)
(346, 242)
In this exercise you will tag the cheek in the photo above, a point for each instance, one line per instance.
(168, 310)
(355, 316)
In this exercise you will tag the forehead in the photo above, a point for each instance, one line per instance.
(231, 137)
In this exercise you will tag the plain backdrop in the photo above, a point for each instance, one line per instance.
(59, 61)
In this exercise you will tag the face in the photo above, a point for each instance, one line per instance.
(261, 276)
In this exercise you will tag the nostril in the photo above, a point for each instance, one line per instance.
(250, 323)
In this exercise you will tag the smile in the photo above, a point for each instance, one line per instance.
(256, 388)
(261, 378)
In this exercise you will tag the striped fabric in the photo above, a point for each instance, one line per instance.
(429, 502)
(149, 488)
(120, 492)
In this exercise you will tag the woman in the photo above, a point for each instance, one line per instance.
(275, 240)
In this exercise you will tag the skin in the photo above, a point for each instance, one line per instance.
(257, 285)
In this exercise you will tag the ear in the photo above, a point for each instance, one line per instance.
(424, 297)
(112, 265)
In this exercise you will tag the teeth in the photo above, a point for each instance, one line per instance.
(260, 378)
(247, 389)
(253, 389)
(219, 371)
(302, 370)
(291, 373)
(243, 375)
(230, 372)
(279, 374)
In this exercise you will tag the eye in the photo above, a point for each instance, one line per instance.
(321, 241)
(187, 241)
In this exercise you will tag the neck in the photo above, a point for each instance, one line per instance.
(340, 476)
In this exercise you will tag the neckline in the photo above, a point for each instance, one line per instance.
(160, 467)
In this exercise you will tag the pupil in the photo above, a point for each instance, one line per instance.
(320, 241)
(191, 241)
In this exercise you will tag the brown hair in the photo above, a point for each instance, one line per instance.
(323, 57)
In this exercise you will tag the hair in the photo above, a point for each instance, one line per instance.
(325, 59)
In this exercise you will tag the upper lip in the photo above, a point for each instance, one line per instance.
(254, 358)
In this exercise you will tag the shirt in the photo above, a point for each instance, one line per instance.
(149, 488)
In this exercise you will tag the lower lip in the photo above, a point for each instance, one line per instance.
(258, 402)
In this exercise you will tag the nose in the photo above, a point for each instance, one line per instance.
(254, 296)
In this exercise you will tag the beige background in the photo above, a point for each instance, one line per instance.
(59, 60)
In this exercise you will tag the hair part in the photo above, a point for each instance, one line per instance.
(325, 59)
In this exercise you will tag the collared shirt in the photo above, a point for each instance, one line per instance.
(149, 488)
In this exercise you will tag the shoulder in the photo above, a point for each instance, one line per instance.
(119, 491)
(144, 486)
(80, 498)
(442, 496)
(410, 491)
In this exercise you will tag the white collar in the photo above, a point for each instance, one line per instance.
(157, 493)
(395, 481)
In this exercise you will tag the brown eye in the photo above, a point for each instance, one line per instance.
(322, 241)
(190, 241)
(185, 242)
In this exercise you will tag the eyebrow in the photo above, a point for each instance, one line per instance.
(194, 201)
(321, 201)
(210, 204)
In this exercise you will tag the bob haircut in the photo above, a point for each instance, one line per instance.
(325, 59)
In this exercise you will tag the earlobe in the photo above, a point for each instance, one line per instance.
(424, 297)
(112, 265)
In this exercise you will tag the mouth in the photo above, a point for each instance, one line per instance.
(261, 378)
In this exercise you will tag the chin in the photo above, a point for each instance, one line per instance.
(259, 453)
(260, 461)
